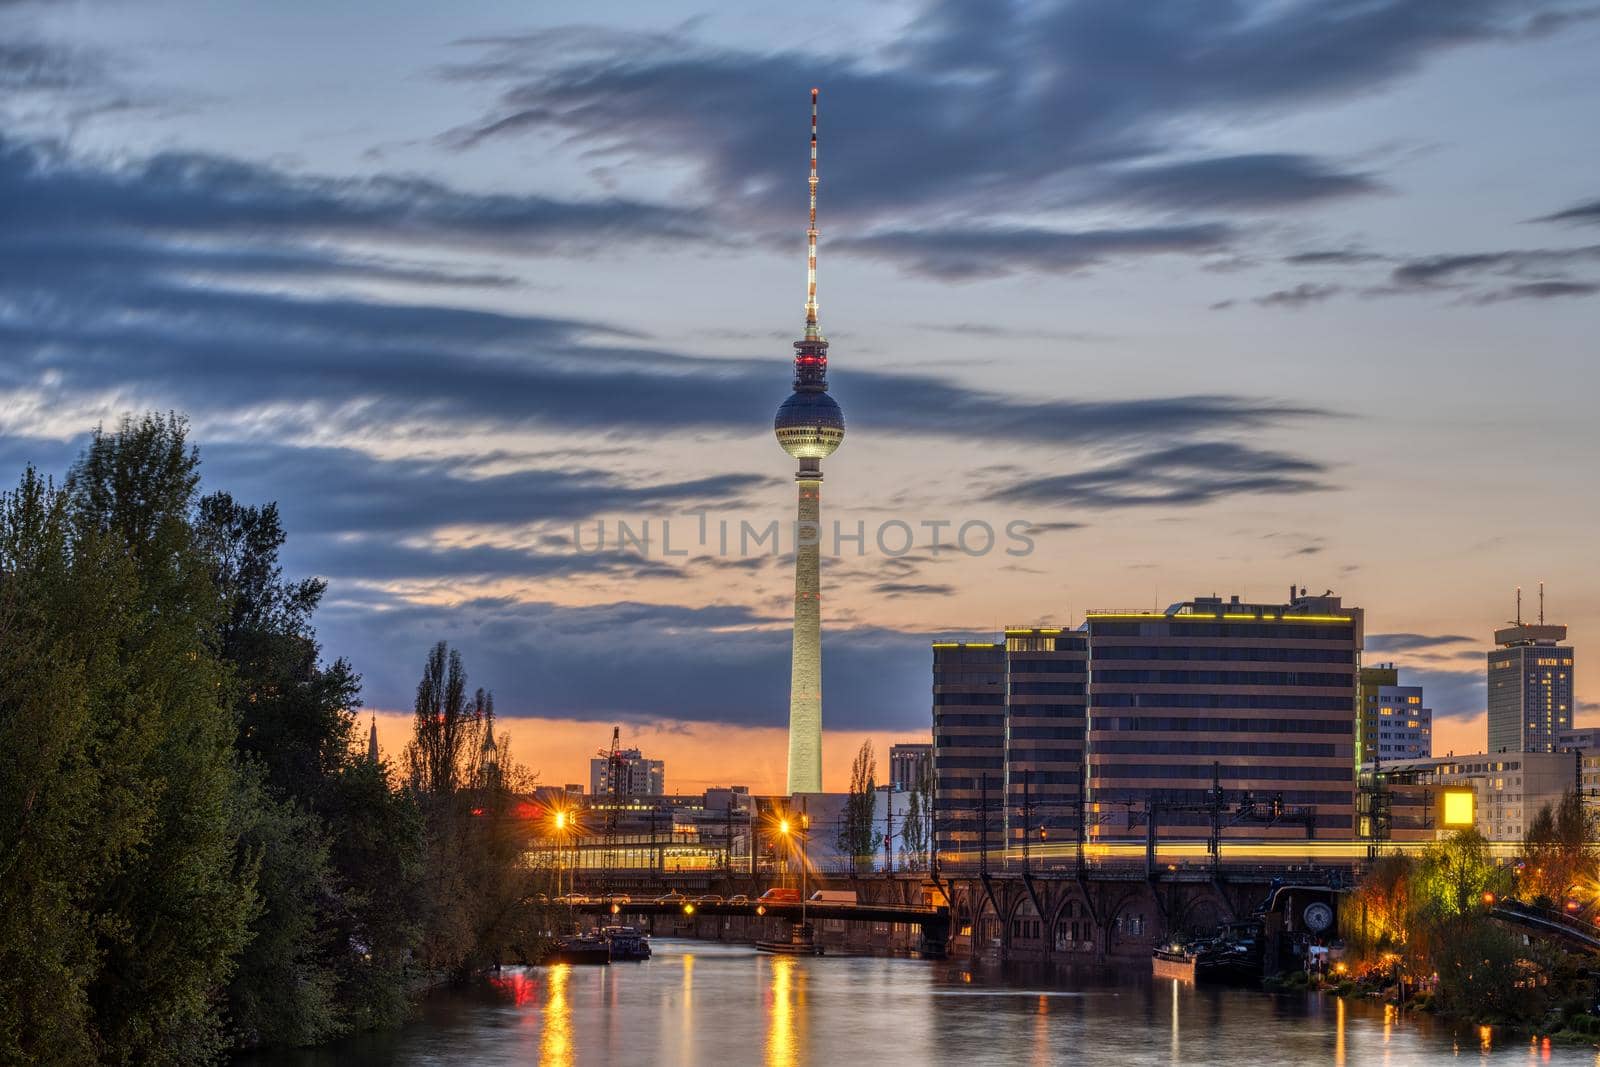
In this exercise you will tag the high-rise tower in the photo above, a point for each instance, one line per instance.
(809, 426)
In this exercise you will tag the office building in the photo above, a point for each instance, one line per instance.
(1510, 787)
(639, 777)
(1008, 722)
(1392, 722)
(1046, 695)
(1530, 688)
(906, 763)
(969, 737)
(1262, 695)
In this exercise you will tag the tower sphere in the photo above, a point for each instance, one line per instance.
(809, 425)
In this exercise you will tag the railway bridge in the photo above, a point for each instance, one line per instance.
(1094, 914)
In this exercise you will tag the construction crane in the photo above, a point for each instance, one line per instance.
(616, 774)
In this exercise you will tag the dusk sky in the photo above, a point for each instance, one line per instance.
(1207, 297)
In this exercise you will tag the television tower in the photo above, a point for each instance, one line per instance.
(809, 426)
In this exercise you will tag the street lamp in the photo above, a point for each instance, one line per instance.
(562, 822)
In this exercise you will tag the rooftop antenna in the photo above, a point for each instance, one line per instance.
(1541, 602)
(1519, 605)
(813, 332)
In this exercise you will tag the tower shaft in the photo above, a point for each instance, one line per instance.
(805, 665)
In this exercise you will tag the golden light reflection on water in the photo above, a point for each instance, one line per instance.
(688, 1008)
(781, 1050)
(555, 1042)
(1338, 1034)
(1177, 1051)
(1042, 1052)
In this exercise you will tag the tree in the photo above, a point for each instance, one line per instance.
(175, 912)
(915, 832)
(858, 837)
(1556, 852)
(1454, 875)
(71, 807)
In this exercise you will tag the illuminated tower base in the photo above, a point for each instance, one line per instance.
(805, 664)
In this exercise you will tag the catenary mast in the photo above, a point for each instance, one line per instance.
(809, 426)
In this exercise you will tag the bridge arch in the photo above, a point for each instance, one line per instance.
(1026, 930)
(1203, 912)
(1132, 923)
(1075, 930)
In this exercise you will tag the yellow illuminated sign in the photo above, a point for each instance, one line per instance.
(1456, 808)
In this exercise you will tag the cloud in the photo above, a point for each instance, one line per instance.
(1451, 694)
(1411, 642)
(1538, 291)
(41, 66)
(965, 254)
(1179, 476)
(1442, 270)
(992, 330)
(902, 589)
(1587, 213)
(633, 661)
(1332, 257)
(1479, 277)
(980, 110)
(160, 206)
(1300, 296)
(1241, 182)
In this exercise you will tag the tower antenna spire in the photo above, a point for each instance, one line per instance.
(813, 331)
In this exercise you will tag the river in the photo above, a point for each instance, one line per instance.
(724, 1005)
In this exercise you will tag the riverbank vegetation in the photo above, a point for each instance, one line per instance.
(1434, 930)
(196, 851)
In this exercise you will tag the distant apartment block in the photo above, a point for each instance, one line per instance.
(1510, 787)
(1583, 739)
(905, 765)
(641, 777)
(1392, 722)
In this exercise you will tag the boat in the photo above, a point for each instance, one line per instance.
(1233, 955)
(627, 943)
(802, 942)
(582, 948)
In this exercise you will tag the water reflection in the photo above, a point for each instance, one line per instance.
(555, 1042)
(1176, 1045)
(686, 1012)
(709, 1004)
(781, 1044)
(1338, 1033)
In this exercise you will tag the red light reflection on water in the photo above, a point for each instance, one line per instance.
(518, 985)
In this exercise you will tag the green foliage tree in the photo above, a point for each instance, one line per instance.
(323, 957)
(72, 808)
(174, 913)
